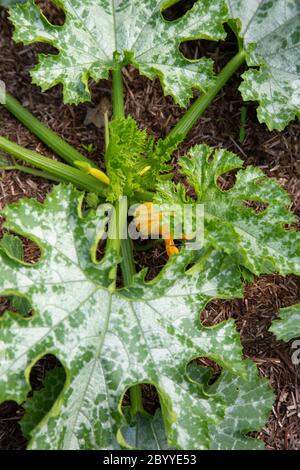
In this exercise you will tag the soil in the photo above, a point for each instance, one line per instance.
(277, 154)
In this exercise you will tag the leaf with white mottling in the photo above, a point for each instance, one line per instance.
(248, 404)
(37, 406)
(271, 33)
(258, 241)
(108, 342)
(146, 432)
(99, 33)
(13, 247)
(287, 326)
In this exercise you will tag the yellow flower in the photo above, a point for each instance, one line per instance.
(148, 221)
(89, 170)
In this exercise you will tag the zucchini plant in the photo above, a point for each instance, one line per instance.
(112, 339)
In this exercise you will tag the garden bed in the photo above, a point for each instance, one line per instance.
(276, 153)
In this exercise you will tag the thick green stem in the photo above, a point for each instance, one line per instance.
(185, 124)
(136, 400)
(127, 263)
(118, 96)
(48, 137)
(59, 170)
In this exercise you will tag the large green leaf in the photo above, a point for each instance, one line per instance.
(146, 432)
(258, 241)
(248, 401)
(108, 341)
(13, 247)
(99, 33)
(248, 404)
(37, 406)
(271, 33)
(287, 326)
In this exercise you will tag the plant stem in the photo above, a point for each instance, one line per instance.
(48, 137)
(118, 97)
(136, 400)
(185, 124)
(59, 170)
(106, 130)
(32, 171)
(127, 263)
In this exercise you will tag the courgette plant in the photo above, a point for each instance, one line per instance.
(110, 339)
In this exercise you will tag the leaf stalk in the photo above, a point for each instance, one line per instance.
(189, 119)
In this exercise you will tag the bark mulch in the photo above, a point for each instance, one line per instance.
(277, 154)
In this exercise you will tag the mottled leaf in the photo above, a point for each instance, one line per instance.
(257, 240)
(109, 341)
(146, 432)
(99, 33)
(271, 33)
(287, 326)
(40, 403)
(13, 247)
(248, 404)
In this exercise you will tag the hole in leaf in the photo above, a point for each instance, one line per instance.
(100, 250)
(149, 397)
(32, 252)
(151, 254)
(145, 430)
(4, 304)
(194, 50)
(16, 303)
(219, 51)
(218, 311)
(226, 181)
(47, 378)
(20, 248)
(41, 368)
(11, 437)
(256, 206)
(176, 11)
(215, 369)
(204, 371)
(54, 14)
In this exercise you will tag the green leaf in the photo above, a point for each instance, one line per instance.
(248, 405)
(109, 341)
(258, 241)
(37, 406)
(146, 432)
(12, 246)
(271, 33)
(99, 33)
(288, 325)
(134, 161)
